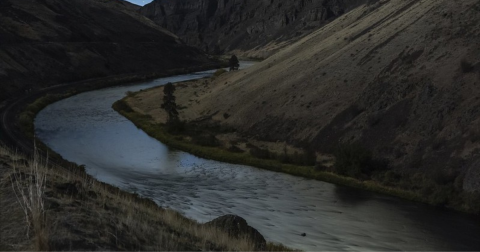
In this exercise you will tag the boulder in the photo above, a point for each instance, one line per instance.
(238, 227)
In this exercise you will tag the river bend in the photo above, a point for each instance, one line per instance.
(86, 130)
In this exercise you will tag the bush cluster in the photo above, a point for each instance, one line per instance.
(205, 140)
(355, 161)
(176, 127)
(305, 158)
(123, 106)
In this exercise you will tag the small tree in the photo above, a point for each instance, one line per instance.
(234, 63)
(352, 160)
(169, 104)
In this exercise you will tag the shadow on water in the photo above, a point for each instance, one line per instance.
(452, 229)
(351, 197)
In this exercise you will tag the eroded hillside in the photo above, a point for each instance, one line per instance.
(400, 77)
(248, 27)
(43, 42)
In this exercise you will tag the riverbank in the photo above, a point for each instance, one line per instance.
(217, 143)
(160, 132)
(47, 207)
(18, 114)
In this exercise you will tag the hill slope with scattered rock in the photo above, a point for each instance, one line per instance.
(400, 78)
(44, 42)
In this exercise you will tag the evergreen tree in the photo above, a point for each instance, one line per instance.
(234, 63)
(169, 104)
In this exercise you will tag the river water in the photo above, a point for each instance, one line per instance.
(86, 130)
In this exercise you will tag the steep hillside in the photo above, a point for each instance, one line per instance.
(43, 42)
(399, 77)
(250, 27)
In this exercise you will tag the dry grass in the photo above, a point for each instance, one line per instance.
(29, 189)
(63, 208)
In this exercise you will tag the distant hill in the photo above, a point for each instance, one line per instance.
(44, 42)
(248, 27)
(400, 77)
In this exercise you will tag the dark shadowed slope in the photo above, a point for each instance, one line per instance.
(43, 42)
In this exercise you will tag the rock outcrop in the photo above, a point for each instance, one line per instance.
(44, 42)
(238, 227)
(252, 27)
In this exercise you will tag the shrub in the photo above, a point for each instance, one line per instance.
(351, 160)
(176, 127)
(390, 178)
(121, 105)
(235, 149)
(260, 153)
(444, 176)
(208, 140)
(284, 158)
(307, 157)
(355, 161)
(466, 66)
(320, 167)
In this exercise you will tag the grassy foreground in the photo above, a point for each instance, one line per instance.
(47, 207)
(159, 131)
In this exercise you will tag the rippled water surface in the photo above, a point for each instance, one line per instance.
(86, 130)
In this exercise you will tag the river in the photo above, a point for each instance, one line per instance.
(86, 130)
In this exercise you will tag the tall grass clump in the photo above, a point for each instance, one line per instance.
(29, 189)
